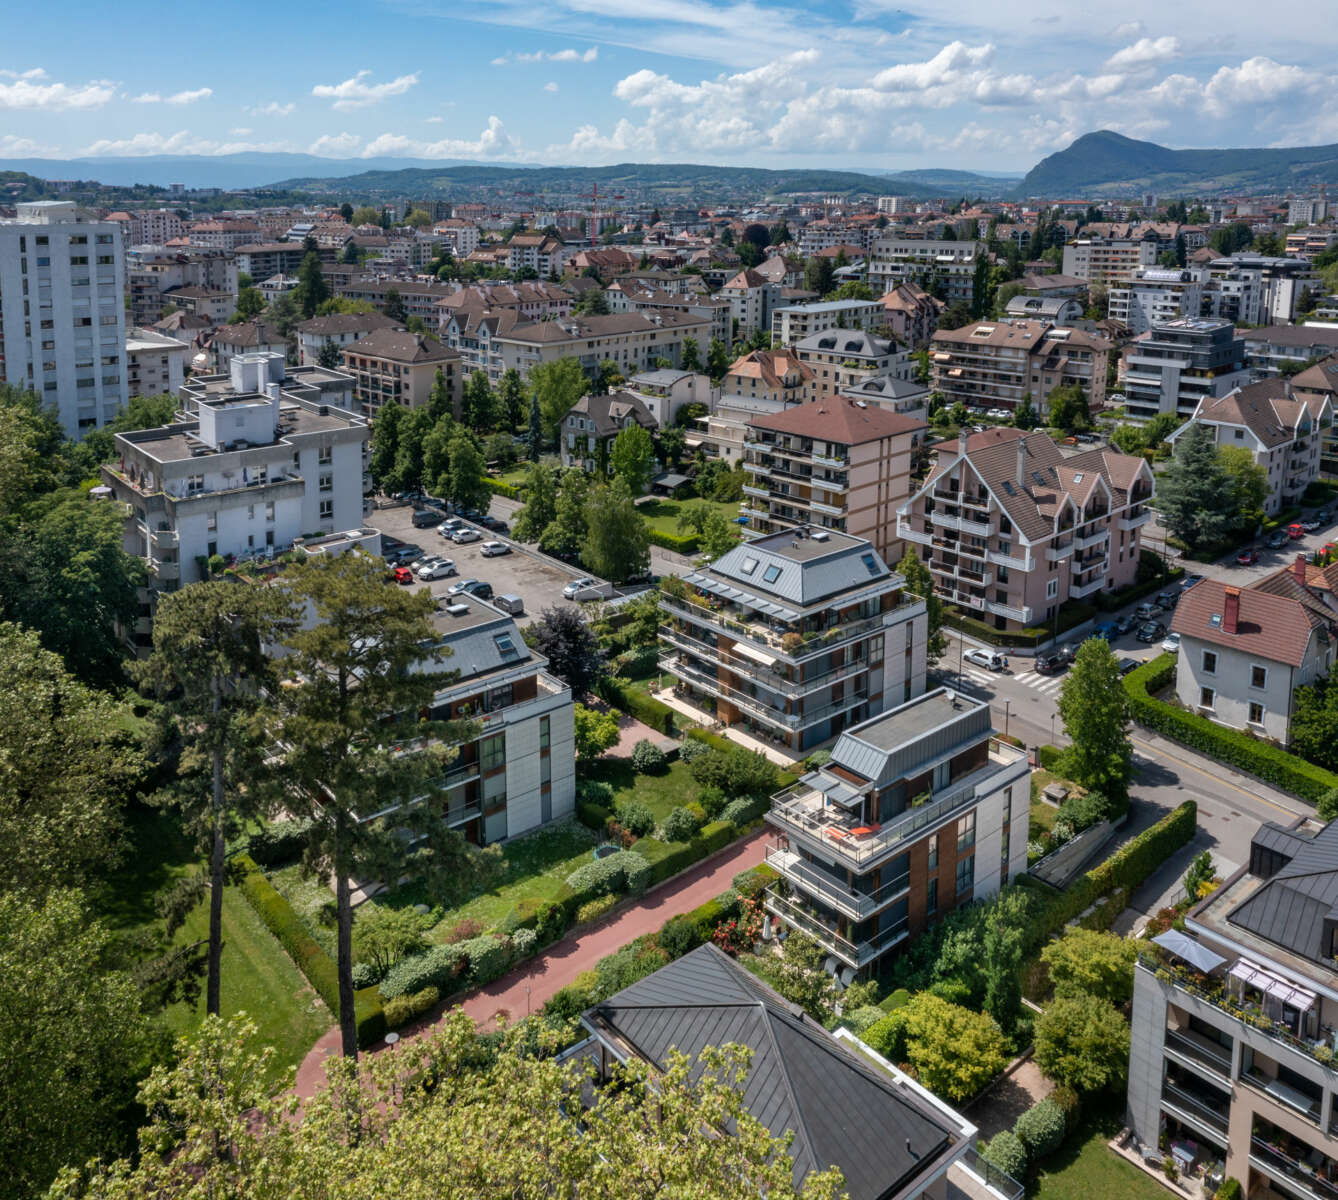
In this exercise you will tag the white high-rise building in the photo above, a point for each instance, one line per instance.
(62, 312)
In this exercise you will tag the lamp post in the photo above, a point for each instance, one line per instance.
(1007, 705)
(1052, 729)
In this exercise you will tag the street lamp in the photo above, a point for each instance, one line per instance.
(1052, 729)
(1007, 705)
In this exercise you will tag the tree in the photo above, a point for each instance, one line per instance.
(1024, 416)
(146, 412)
(540, 490)
(920, 583)
(1088, 962)
(408, 472)
(1095, 710)
(853, 290)
(957, 314)
(718, 535)
(565, 533)
(1002, 967)
(691, 355)
(330, 356)
(383, 935)
(717, 359)
(562, 636)
(535, 439)
(1082, 1042)
(511, 398)
(73, 1040)
(632, 456)
(608, 377)
(355, 682)
(393, 305)
(346, 211)
(209, 663)
(1068, 408)
(349, 256)
(1194, 493)
(418, 219)
(365, 215)
(556, 386)
(594, 732)
(615, 545)
(1249, 486)
(477, 408)
(250, 304)
(673, 441)
(980, 288)
(1314, 727)
(469, 473)
(819, 274)
(312, 290)
(437, 445)
(386, 443)
(953, 1051)
(592, 302)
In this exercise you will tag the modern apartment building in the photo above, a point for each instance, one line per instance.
(260, 260)
(836, 464)
(1277, 284)
(1098, 259)
(793, 637)
(795, 322)
(1234, 1019)
(224, 235)
(1010, 529)
(920, 810)
(841, 358)
(895, 259)
(1271, 347)
(633, 340)
(154, 271)
(393, 366)
(1178, 364)
(1155, 295)
(62, 312)
(999, 364)
(154, 363)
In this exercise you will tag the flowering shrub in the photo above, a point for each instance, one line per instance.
(739, 933)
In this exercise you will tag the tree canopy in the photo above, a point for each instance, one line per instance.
(1195, 494)
(1095, 710)
(556, 386)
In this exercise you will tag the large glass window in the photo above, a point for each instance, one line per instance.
(966, 873)
(492, 752)
(966, 831)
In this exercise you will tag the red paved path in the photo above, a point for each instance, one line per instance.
(559, 965)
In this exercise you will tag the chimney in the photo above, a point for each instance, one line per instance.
(275, 390)
(961, 442)
(1298, 569)
(1021, 460)
(1231, 610)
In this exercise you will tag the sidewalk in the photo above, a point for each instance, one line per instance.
(529, 986)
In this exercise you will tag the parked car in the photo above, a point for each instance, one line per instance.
(403, 575)
(460, 585)
(1311, 524)
(1051, 662)
(1167, 600)
(1126, 623)
(511, 603)
(493, 549)
(1150, 631)
(1324, 516)
(577, 585)
(1144, 612)
(1247, 558)
(1107, 630)
(496, 524)
(1277, 539)
(425, 518)
(423, 560)
(1171, 642)
(449, 526)
(443, 568)
(1126, 665)
(477, 587)
(1189, 581)
(1295, 530)
(465, 534)
(991, 660)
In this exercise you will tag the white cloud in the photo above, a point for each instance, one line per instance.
(175, 98)
(242, 132)
(1257, 81)
(550, 86)
(947, 66)
(272, 109)
(357, 93)
(562, 56)
(1130, 29)
(1145, 52)
(492, 142)
(22, 147)
(27, 92)
(335, 145)
(33, 73)
(181, 142)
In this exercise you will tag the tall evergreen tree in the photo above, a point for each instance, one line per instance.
(1194, 493)
(536, 433)
(511, 398)
(312, 289)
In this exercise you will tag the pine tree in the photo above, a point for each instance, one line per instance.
(536, 434)
(312, 289)
(1194, 493)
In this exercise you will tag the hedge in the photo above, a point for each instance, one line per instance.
(316, 966)
(1041, 1129)
(635, 703)
(1025, 638)
(1110, 601)
(1006, 1151)
(278, 843)
(681, 543)
(500, 488)
(1264, 761)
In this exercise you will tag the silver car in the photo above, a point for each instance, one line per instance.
(443, 568)
(465, 534)
(493, 549)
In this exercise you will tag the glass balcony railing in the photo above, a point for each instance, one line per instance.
(854, 954)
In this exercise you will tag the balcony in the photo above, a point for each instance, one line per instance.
(805, 877)
(971, 576)
(1092, 562)
(761, 493)
(1009, 611)
(954, 596)
(962, 524)
(691, 672)
(908, 532)
(1187, 1105)
(1086, 541)
(1078, 590)
(1196, 1052)
(1135, 518)
(831, 510)
(1296, 1177)
(827, 460)
(1054, 553)
(853, 954)
(1025, 563)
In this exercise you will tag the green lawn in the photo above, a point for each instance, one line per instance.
(1085, 1167)
(659, 793)
(663, 514)
(258, 976)
(1042, 814)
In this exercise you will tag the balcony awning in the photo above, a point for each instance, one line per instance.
(830, 788)
(756, 655)
(1274, 985)
(1185, 947)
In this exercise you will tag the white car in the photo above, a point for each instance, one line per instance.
(1172, 642)
(449, 526)
(493, 549)
(465, 534)
(991, 660)
(441, 569)
(576, 586)
(425, 561)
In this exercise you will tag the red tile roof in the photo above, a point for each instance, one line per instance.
(1273, 627)
(840, 419)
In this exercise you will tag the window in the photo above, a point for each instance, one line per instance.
(933, 853)
(1256, 713)
(325, 455)
(771, 574)
(1209, 662)
(1206, 697)
(966, 832)
(492, 752)
(1258, 677)
(966, 874)
(1051, 589)
(212, 524)
(931, 896)
(269, 511)
(327, 510)
(327, 482)
(543, 733)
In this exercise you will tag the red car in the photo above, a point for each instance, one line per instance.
(403, 575)
(1247, 558)
(1295, 531)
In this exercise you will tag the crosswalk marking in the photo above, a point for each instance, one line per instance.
(1049, 684)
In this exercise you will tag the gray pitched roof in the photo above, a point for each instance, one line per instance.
(803, 570)
(841, 1111)
(1293, 907)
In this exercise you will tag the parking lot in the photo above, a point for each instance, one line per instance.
(537, 581)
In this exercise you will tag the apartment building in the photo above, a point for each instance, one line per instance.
(62, 312)
(792, 637)
(664, 392)
(474, 332)
(632, 340)
(910, 314)
(709, 308)
(895, 259)
(1109, 260)
(224, 235)
(998, 364)
(213, 305)
(919, 811)
(539, 252)
(1282, 432)
(1306, 243)
(752, 300)
(1270, 347)
(1178, 364)
(260, 260)
(1011, 529)
(852, 236)
(1154, 295)
(1233, 1020)
(1274, 284)
(153, 271)
(777, 378)
(338, 330)
(589, 429)
(154, 363)
(461, 236)
(891, 393)
(841, 359)
(831, 464)
(250, 337)
(253, 466)
(393, 366)
(519, 773)
(531, 301)
(1057, 310)
(417, 299)
(1316, 383)
(795, 322)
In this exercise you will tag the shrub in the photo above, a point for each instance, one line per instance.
(679, 825)
(635, 703)
(604, 875)
(754, 880)
(595, 791)
(569, 1002)
(439, 967)
(524, 942)
(365, 974)
(679, 543)
(1006, 1151)
(711, 799)
(647, 757)
(551, 921)
(463, 930)
(1229, 1190)
(488, 958)
(819, 758)
(592, 910)
(383, 935)
(1083, 1041)
(278, 843)
(635, 818)
(403, 1009)
(678, 935)
(1041, 1129)
(1066, 1099)
(624, 967)
(894, 1000)
(692, 748)
(861, 1018)
(887, 1037)
(736, 772)
(1051, 757)
(954, 1052)
(743, 811)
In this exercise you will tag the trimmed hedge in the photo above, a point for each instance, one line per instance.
(1006, 1151)
(1024, 638)
(1263, 760)
(624, 871)
(647, 710)
(1041, 1128)
(278, 843)
(440, 967)
(316, 966)
(403, 1009)
(680, 543)
(499, 488)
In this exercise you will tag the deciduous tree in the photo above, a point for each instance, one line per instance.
(1088, 962)
(631, 457)
(562, 636)
(511, 398)
(920, 583)
(616, 545)
(565, 534)
(1082, 1041)
(595, 732)
(556, 386)
(541, 492)
(468, 474)
(1095, 710)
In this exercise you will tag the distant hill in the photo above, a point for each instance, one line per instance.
(1107, 163)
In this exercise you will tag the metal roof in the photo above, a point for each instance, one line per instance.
(797, 567)
(1297, 906)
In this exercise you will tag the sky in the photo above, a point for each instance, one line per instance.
(891, 84)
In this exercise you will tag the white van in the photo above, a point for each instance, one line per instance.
(510, 603)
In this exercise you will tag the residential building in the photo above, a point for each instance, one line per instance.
(589, 429)
(1306, 243)
(632, 340)
(1277, 284)
(820, 235)
(1179, 363)
(461, 236)
(710, 308)
(153, 271)
(841, 359)
(1154, 295)
(1057, 310)
(910, 315)
(155, 227)
(1271, 347)
(1055, 286)
(896, 395)
(1011, 529)
(252, 467)
(213, 305)
(844, 1105)
(260, 260)
(752, 299)
(895, 206)
(1317, 383)
(793, 637)
(62, 312)
(1096, 259)
(250, 337)
(834, 463)
(1233, 1019)
(665, 391)
(896, 259)
(1307, 210)
(795, 322)
(393, 366)
(154, 363)
(417, 299)
(1245, 650)
(224, 235)
(539, 252)
(531, 301)
(339, 330)
(315, 384)
(473, 331)
(920, 810)
(999, 364)
(1281, 431)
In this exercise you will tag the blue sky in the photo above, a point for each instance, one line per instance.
(872, 83)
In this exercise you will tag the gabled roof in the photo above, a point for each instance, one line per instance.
(747, 279)
(795, 566)
(1267, 409)
(399, 345)
(839, 419)
(1276, 628)
(770, 366)
(610, 412)
(337, 323)
(841, 1111)
(251, 333)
